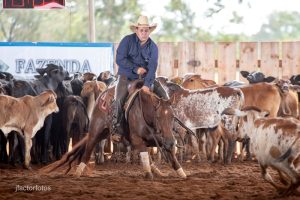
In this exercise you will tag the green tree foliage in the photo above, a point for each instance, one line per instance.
(17, 25)
(280, 26)
(113, 18)
(66, 25)
(178, 23)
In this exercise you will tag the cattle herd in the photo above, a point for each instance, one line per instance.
(40, 117)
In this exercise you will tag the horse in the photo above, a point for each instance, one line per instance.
(150, 123)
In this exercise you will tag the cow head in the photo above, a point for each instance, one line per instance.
(195, 81)
(88, 76)
(55, 72)
(295, 79)
(92, 87)
(107, 77)
(6, 76)
(47, 101)
(283, 85)
(256, 77)
(247, 115)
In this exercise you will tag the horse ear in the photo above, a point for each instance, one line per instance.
(172, 100)
(154, 99)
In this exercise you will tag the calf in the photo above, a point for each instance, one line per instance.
(26, 115)
(276, 143)
(194, 81)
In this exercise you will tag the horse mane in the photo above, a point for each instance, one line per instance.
(174, 86)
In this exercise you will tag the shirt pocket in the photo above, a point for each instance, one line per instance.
(146, 54)
(133, 52)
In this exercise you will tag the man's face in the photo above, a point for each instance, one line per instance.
(143, 33)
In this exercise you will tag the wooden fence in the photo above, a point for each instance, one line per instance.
(222, 61)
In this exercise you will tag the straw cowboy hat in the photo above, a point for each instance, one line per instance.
(143, 22)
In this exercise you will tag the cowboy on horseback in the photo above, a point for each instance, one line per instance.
(137, 58)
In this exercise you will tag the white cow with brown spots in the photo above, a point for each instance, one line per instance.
(26, 115)
(276, 144)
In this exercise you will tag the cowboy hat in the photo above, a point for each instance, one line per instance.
(143, 22)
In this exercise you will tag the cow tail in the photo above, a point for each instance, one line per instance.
(285, 155)
(85, 114)
(87, 118)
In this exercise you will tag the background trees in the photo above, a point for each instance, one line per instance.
(112, 17)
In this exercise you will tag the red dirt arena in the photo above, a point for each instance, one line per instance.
(240, 180)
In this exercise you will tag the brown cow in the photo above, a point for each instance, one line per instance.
(26, 115)
(276, 144)
(264, 96)
(91, 91)
(194, 81)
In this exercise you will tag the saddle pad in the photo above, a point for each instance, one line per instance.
(129, 102)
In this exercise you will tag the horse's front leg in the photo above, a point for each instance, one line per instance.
(138, 144)
(174, 162)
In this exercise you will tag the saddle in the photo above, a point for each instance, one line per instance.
(133, 89)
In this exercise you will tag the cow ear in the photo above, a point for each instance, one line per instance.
(38, 76)
(265, 114)
(49, 100)
(295, 87)
(41, 71)
(269, 79)
(244, 73)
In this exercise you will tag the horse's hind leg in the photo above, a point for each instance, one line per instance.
(94, 136)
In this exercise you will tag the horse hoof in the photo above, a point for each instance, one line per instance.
(28, 167)
(80, 169)
(181, 173)
(149, 176)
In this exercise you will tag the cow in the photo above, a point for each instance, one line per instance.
(289, 97)
(107, 77)
(201, 109)
(26, 115)
(177, 79)
(75, 120)
(194, 81)
(256, 77)
(275, 142)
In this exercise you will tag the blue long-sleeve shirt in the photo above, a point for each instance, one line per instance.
(131, 55)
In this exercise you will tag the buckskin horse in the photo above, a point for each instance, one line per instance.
(150, 123)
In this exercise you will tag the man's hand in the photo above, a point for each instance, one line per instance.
(141, 71)
(146, 89)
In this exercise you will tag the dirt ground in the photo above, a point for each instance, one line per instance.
(240, 180)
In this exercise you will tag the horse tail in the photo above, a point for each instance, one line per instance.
(69, 160)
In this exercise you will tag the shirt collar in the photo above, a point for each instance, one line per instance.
(137, 40)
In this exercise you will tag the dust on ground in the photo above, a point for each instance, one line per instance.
(240, 180)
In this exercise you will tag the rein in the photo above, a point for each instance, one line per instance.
(157, 130)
